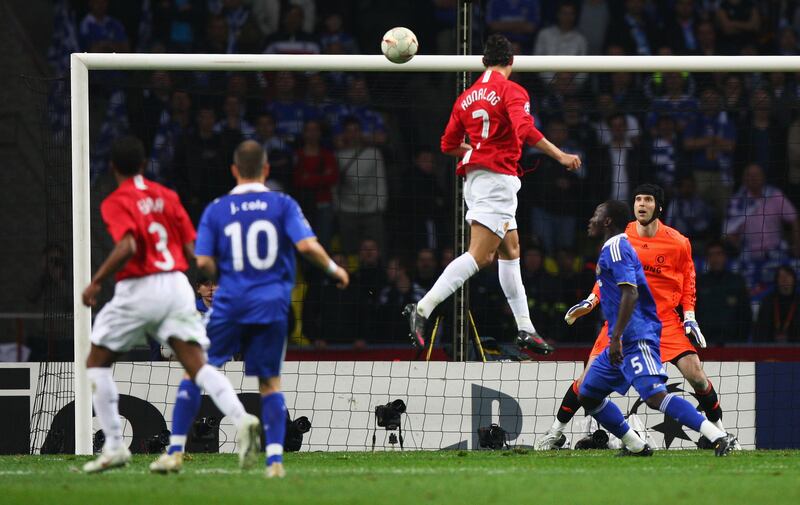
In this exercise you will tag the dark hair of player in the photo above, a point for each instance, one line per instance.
(619, 212)
(250, 158)
(127, 155)
(497, 52)
(656, 192)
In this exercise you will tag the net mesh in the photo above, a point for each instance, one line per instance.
(385, 211)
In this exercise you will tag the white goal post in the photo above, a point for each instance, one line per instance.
(81, 63)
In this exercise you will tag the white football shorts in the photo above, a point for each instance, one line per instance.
(492, 200)
(160, 306)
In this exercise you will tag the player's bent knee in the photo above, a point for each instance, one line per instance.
(588, 403)
(654, 401)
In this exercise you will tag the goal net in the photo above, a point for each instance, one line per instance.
(355, 141)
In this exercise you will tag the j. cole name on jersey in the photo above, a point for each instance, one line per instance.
(248, 206)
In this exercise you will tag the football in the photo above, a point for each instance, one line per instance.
(399, 45)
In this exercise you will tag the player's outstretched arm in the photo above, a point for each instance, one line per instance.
(313, 251)
(583, 307)
(569, 161)
(627, 303)
(122, 252)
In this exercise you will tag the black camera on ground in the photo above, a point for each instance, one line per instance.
(157, 443)
(492, 437)
(597, 440)
(294, 432)
(388, 416)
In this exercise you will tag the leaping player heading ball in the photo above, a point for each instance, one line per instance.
(666, 256)
(494, 113)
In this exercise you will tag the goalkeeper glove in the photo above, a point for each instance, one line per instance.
(692, 329)
(580, 309)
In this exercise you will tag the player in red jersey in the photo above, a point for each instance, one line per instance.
(666, 257)
(494, 113)
(154, 238)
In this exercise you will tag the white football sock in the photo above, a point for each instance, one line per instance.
(216, 385)
(511, 282)
(710, 431)
(633, 441)
(106, 406)
(453, 277)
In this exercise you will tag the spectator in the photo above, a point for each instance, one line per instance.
(361, 195)
(676, 101)
(278, 152)
(555, 194)
(761, 140)
(399, 290)
(560, 87)
(690, 214)
(709, 142)
(518, 20)
(679, 32)
(787, 42)
(723, 303)
(373, 130)
(578, 127)
(335, 34)
(292, 39)
(328, 312)
(290, 114)
(244, 35)
(734, 98)
(706, 39)
(146, 108)
(633, 30)
(593, 24)
(778, 320)
(421, 213)
(217, 36)
(571, 283)
(793, 162)
(739, 22)
(100, 33)
(202, 163)
(663, 154)
(267, 14)
(174, 124)
(365, 285)
(783, 97)
(756, 215)
(563, 38)
(606, 108)
(426, 270)
(233, 123)
(315, 173)
(540, 288)
(621, 168)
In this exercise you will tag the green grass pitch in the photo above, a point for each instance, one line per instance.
(442, 478)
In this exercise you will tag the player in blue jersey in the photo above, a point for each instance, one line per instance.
(633, 356)
(247, 239)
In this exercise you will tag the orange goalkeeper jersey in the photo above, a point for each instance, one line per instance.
(668, 268)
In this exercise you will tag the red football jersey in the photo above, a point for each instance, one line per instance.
(158, 222)
(496, 115)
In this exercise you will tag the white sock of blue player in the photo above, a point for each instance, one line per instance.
(105, 399)
(453, 277)
(273, 415)
(511, 282)
(187, 403)
(216, 385)
(683, 412)
(610, 417)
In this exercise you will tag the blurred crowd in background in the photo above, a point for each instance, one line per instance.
(360, 152)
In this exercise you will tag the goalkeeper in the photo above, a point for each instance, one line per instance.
(666, 257)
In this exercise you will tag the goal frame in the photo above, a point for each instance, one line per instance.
(82, 63)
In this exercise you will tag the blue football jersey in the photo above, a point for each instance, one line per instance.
(619, 264)
(252, 232)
